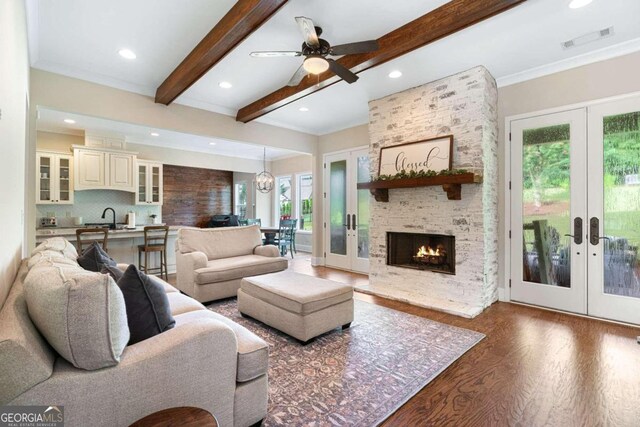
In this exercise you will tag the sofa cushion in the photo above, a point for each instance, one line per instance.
(221, 270)
(295, 292)
(115, 272)
(148, 311)
(180, 303)
(52, 258)
(253, 351)
(58, 244)
(81, 314)
(25, 357)
(219, 243)
(94, 257)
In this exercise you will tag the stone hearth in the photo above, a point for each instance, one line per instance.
(465, 106)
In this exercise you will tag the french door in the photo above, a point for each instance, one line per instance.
(346, 216)
(575, 210)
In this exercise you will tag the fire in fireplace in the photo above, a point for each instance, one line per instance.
(435, 252)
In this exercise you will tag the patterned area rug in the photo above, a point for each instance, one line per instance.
(356, 377)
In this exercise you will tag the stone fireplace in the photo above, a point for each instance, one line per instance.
(465, 106)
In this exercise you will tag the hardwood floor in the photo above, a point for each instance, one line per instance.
(534, 368)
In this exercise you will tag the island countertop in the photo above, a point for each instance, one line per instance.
(120, 233)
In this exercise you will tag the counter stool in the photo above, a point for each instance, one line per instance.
(155, 240)
(87, 242)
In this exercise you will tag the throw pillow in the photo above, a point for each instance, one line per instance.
(112, 271)
(94, 257)
(81, 314)
(148, 311)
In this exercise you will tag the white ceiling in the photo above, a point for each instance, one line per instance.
(81, 38)
(53, 121)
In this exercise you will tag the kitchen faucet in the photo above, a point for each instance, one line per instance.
(104, 212)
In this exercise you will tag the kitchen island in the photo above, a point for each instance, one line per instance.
(122, 243)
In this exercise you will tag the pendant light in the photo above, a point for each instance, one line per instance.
(264, 180)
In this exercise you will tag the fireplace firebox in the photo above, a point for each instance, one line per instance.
(434, 252)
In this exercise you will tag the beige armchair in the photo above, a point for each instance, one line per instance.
(212, 262)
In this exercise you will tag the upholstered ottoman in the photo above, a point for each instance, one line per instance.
(299, 305)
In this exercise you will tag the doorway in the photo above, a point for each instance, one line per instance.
(346, 213)
(575, 210)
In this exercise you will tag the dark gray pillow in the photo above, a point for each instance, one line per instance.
(94, 257)
(112, 271)
(148, 311)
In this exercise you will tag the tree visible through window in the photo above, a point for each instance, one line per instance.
(305, 202)
(284, 197)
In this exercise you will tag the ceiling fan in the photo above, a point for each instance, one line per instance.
(315, 50)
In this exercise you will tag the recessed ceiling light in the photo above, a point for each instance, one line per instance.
(303, 109)
(127, 53)
(576, 4)
(70, 121)
(155, 134)
(395, 74)
(225, 85)
(212, 143)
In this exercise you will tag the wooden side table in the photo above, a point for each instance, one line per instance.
(184, 416)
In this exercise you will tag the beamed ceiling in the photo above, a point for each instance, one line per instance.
(185, 49)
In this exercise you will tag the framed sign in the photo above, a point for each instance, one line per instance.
(434, 154)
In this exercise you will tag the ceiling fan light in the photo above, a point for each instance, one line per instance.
(315, 65)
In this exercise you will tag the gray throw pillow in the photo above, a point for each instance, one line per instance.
(148, 311)
(94, 257)
(112, 271)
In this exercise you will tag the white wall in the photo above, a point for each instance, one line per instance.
(603, 79)
(14, 92)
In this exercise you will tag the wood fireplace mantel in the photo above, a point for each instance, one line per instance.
(451, 184)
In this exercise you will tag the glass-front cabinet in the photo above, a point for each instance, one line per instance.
(54, 178)
(148, 183)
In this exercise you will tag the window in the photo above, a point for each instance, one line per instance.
(241, 200)
(305, 202)
(283, 194)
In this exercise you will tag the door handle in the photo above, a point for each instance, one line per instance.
(577, 231)
(594, 231)
(348, 224)
(353, 226)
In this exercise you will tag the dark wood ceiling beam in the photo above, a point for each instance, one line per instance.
(245, 17)
(435, 25)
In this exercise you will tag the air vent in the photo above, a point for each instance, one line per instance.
(587, 38)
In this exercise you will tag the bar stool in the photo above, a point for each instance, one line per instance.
(155, 240)
(87, 242)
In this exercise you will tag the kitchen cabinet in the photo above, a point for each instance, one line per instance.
(99, 169)
(148, 183)
(54, 180)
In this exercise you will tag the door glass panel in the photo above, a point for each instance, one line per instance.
(45, 178)
(155, 184)
(546, 205)
(363, 208)
(338, 207)
(142, 183)
(621, 204)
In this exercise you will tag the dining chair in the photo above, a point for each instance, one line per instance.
(80, 243)
(243, 222)
(254, 221)
(155, 240)
(286, 235)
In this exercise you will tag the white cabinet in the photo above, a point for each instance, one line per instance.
(121, 171)
(148, 183)
(54, 180)
(99, 169)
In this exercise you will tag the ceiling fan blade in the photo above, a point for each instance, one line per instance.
(275, 53)
(297, 77)
(308, 30)
(357, 47)
(341, 71)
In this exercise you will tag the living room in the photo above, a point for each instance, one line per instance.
(421, 213)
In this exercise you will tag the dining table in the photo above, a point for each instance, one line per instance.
(270, 234)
